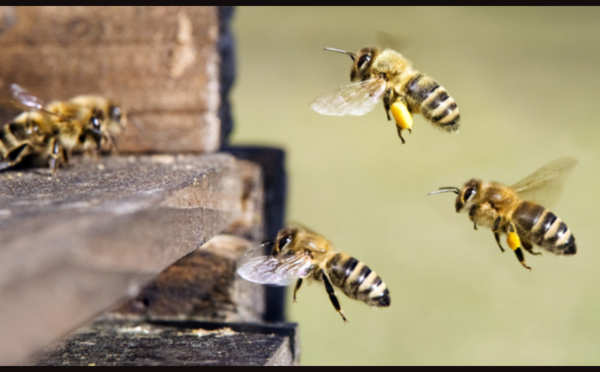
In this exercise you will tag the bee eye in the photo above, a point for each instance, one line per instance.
(284, 240)
(469, 193)
(95, 122)
(115, 113)
(363, 60)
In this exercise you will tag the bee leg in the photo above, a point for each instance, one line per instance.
(332, 297)
(400, 134)
(296, 288)
(111, 144)
(496, 230)
(113, 147)
(57, 155)
(514, 242)
(497, 236)
(472, 213)
(66, 155)
(529, 247)
(402, 116)
(14, 156)
(386, 103)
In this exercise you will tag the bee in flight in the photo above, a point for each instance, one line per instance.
(505, 209)
(299, 253)
(386, 75)
(55, 130)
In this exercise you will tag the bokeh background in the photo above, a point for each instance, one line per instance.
(527, 82)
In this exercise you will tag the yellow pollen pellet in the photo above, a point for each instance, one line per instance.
(402, 116)
(513, 240)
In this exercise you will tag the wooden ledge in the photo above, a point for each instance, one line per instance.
(121, 342)
(76, 243)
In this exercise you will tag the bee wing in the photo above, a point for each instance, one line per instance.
(545, 185)
(274, 270)
(353, 99)
(26, 99)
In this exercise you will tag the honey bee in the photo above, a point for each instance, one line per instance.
(28, 134)
(386, 75)
(299, 253)
(504, 209)
(57, 129)
(112, 118)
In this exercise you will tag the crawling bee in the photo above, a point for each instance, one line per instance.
(386, 74)
(504, 209)
(112, 118)
(57, 129)
(299, 253)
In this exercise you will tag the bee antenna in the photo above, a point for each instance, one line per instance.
(352, 55)
(268, 243)
(265, 243)
(446, 189)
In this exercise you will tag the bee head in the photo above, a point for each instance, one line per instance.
(362, 64)
(467, 195)
(93, 127)
(117, 116)
(362, 61)
(285, 237)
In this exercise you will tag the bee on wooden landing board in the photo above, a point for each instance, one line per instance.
(57, 129)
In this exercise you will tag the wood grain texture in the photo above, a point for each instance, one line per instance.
(202, 286)
(125, 342)
(75, 244)
(160, 63)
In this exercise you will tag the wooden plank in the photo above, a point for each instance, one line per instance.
(75, 243)
(202, 286)
(272, 162)
(117, 342)
(160, 63)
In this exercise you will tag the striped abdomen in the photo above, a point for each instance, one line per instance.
(425, 95)
(538, 225)
(13, 144)
(357, 281)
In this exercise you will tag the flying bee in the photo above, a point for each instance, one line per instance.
(386, 75)
(505, 209)
(57, 129)
(299, 253)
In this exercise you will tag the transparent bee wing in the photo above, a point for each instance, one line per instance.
(274, 270)
(545, 185)
(26, 99)
(386, 40)
(353, 99)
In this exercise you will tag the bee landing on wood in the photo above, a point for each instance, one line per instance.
(57, 129)
(385, 75)
(299, 254)
(507, 210)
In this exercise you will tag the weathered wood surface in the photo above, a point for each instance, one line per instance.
(75, 243)
(272, 163)
(111, 341)
(161, 63)
(204, 285)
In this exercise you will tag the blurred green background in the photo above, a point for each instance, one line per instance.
(527, 82)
